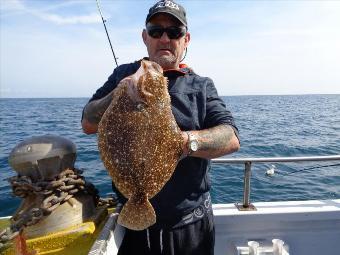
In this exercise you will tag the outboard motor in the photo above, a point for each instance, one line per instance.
(43, 157)
(55, 194)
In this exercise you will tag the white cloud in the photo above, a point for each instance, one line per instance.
(16, 7)
(11, 5)
(60, 20)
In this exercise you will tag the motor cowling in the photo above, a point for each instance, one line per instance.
(43, 157)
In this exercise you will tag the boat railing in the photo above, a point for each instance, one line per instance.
(247, 206)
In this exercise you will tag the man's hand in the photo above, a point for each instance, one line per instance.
(213, 142)
(93, 113)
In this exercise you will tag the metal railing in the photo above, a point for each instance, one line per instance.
(247, 206)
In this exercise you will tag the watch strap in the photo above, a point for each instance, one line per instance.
(191, 138)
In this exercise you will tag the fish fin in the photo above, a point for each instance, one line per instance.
(137, 213)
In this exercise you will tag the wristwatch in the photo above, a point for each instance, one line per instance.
(192, 143)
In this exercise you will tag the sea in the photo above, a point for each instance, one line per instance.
(269, 126)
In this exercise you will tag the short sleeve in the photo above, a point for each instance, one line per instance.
(118, 74)
(112, 82)
(216, 111)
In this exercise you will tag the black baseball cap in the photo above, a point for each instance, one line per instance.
(169, 7)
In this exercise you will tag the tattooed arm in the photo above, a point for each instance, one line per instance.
(93, 113)
(213, 142)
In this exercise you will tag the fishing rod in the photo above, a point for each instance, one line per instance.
(309, 168)
(108, 37)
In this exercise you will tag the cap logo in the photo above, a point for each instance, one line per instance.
(169, 4)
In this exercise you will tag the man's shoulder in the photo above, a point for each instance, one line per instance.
(191, 82)
(197, 80)
(128, 68)
(191, 73)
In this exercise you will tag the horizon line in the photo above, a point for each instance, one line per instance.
(240, 95)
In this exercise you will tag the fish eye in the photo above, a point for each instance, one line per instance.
(140, 107)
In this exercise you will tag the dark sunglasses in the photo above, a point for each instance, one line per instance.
(172, 32)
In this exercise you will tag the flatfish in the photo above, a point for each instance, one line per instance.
(140, 142)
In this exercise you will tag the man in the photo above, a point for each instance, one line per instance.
(183, 207)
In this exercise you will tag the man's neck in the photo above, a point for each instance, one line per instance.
(168, 68)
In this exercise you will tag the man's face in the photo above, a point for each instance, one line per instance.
(165, 51)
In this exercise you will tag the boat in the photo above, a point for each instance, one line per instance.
(309, 227)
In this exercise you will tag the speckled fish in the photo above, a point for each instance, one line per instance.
(140, 142)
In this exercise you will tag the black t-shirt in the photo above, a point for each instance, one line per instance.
(196, 106)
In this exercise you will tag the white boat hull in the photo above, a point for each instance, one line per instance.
(306, 227)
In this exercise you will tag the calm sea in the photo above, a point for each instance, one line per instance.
(270, 126)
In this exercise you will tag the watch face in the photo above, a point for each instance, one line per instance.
(194, 145)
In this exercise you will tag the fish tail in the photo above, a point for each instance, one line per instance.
(137, 213)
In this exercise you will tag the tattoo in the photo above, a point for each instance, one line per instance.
(94, 110)
(215, 142)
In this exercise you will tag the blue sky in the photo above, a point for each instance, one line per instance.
(59, 48)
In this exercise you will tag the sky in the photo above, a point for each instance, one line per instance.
(59, 48)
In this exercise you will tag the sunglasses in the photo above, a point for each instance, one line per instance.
(172, 32)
